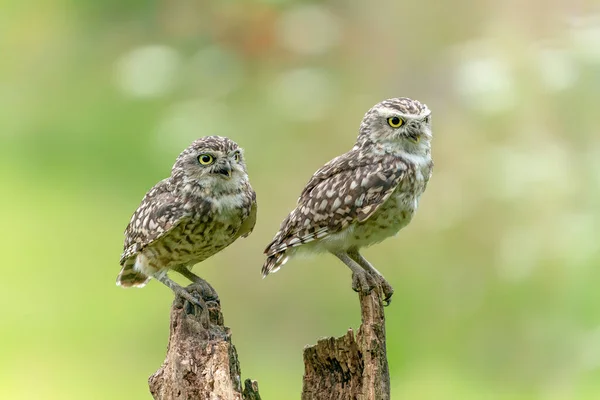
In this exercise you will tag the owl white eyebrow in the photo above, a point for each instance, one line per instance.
(388, 113)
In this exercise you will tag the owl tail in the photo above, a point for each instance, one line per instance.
(129, 277)
(273, 263)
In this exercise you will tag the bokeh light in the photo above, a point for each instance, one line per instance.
(496, 277)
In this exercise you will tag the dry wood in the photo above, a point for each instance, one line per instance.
(348, 368)
(201, 362)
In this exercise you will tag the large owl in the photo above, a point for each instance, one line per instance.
(363, 196)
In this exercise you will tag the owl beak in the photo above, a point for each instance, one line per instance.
(224, 170)
(414, 132)
(415, 137)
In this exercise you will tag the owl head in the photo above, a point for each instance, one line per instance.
(211, 161)
(399, 124)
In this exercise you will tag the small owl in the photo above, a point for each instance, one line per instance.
(363, 196)
(203, 207)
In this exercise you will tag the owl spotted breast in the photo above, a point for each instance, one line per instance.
(363, 196)
(203, 207)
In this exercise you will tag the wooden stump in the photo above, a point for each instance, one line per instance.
(348, 368)
(201, 362)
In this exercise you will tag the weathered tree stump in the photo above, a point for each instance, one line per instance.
(201, 362)
(349, 368)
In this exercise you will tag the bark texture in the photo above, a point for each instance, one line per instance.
(201, 362)
(349, 367)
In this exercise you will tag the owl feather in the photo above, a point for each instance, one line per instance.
(363, 196)
(348, 189)
(203, 207)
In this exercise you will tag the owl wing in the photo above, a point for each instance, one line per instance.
(159, 212)
(250, 221)
(349, 188)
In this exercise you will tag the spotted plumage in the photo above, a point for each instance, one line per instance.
(363, 196)
(203, 207)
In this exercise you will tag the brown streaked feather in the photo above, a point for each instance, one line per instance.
(347, 189)
(347, 161)
(129, 277)
(248, 224)
(159, 212)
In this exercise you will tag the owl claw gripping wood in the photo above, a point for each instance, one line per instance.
(203, 207)
(363, 196)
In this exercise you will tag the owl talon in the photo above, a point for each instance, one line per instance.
(387, 290)
(191, 308)
(180, 291)
(209, 293)
(198, 310)
(204, 289)
(363, 282)
(192, 299)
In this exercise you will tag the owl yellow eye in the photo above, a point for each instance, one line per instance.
(206, 159)
(395, 122)
(236, 157)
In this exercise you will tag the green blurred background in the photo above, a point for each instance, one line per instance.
(496, 278)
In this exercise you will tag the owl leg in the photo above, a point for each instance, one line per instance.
(162, 277)
(387, 289)
(208, 292)
(361, 280)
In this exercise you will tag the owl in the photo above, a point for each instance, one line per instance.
(203, 207)
(363, 196)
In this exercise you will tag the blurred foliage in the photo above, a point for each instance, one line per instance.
(496, 278)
